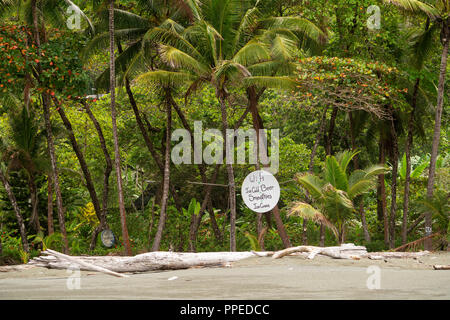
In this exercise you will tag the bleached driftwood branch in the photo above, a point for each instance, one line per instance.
(143, 262)
(441, 267)
(347, 251)
(80, 262)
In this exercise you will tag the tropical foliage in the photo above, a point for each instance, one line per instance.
(91, 91)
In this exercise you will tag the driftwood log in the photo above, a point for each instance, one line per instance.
(152, 261)
(441, 267)
(346, 251)
(141, 263)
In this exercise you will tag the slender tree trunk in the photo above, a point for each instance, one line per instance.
(437, 130)
(17, 212)
(166, 181)
(34, 204)
(231, 184)
(317, 140)
(50, 226)
(305, 232)
(322, 236)
(329, 136)
(196, 219)
(84, 167)
(329, 151)
(152, 222)
(310, 171)
(362, 213)
(51, 146)
(87, 176)
(106, 175)
(409, 141)
(55, 178)
(148, 142)
(381, 193)
(214, 225)
(117, 161)
(393, 185)
(257, 125)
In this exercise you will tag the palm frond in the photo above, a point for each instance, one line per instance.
(122, 20)
(248, 23)
(375, 170)
(312, 184)
(176, 59)
(418, 170)
(334, 174)
(231, 70)
(253, 52)
(122, 63)
(296, 25)
(82, 14)
(159, 35)
(307, 211)
(345, 157)
(273, 67)
(415, 6)
(335, 200)
(168, 78)
(101, 40)
(421, 43)
(283, 47)
(360, 187)
(283, 83)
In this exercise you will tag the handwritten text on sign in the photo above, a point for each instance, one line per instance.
(260, 191)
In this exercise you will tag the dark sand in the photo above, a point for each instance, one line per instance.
(291, 277)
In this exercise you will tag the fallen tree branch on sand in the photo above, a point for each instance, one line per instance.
(440, 267)
(152, 261)
(347, 251)
(143, 262)
(87, 265)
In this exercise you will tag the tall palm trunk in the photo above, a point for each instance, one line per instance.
(17, 212)
(112, 82)
(221, 95)
(409, 141)
(437, 128)
(393, 186)
(166, 180)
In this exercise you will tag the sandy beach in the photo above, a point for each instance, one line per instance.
(292, 277)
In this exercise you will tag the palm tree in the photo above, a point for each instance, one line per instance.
(227, 46)
(112, 78)
(439, 14)
(26, 153)
(12, 199)
(131, 32)
(335, 191)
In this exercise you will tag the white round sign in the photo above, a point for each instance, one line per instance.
(260, 191)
